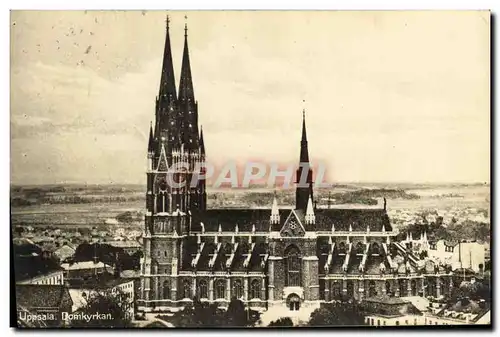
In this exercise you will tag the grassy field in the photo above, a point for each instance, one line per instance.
(33, 203)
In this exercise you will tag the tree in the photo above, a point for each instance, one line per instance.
(236, 314)
(335, 314)
(210, 315)
(282, 322)
(101, 303)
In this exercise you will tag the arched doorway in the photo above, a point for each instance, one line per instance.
(293, 302)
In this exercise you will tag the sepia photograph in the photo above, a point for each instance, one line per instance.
(250, 169)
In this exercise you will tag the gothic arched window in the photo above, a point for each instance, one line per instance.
(387, 287)
(237, 289)
(186, 286)
(220, 289)
(375, 248)
(166, 290)
(293, 266)
(350, 288)
(413, 288)
(371, 289)
(335, 289)
(402, 288)
(341, 247)
(359, 248)
(255, 289)
(203, 289)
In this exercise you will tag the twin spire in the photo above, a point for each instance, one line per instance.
(167, 84)
(176, 111)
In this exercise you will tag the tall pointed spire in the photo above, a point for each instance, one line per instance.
(151, 142)
(202, 142)
(304, 189)
(304, 151)
(167, 84)
(186, 91)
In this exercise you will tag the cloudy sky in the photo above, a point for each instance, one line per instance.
(389, 96)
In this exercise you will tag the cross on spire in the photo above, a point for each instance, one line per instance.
(167, 20)
(185, 26)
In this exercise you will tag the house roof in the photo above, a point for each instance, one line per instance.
(124, 244)
(64, 252)
(27, 267)
(41, 296)
(83, 265)
(387, 300)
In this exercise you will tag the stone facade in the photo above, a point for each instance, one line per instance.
(294, 258)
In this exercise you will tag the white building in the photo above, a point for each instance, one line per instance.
(468, 255)
(120, 287)
(52, 278)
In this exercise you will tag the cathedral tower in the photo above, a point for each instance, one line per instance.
(175, 153)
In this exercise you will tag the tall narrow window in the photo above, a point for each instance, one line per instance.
(186, 286)
(220, 289)
(166, 290)
(371, 289)
(237, 289)
(388, 287)
(255, 289)
(335, 289)
(293, 266)
(402, 288)
(350, 288)
(203, 289)
(413, 288)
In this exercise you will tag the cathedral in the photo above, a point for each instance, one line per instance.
(295, 257)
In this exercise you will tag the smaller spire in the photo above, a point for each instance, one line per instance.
(275, 215)
(185, 26)
(202, 142)
(151, 139)
(167, 20)
(310, 217)
(304, 134)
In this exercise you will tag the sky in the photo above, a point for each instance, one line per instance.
(389, 96)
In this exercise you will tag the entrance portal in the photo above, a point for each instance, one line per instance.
(293, 302)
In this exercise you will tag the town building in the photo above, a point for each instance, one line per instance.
(85, 269)
(391, 311)
(278, 257)
(52, 277)
(105, 284)
(469, 255)
(65, 252)
(129, 246)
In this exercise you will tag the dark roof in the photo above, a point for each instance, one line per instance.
(27, 267)
(468, 306)
(386, 300)
(390, 306)
(42, 296)
(359, 219)
(228, 218)
(100, 281)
